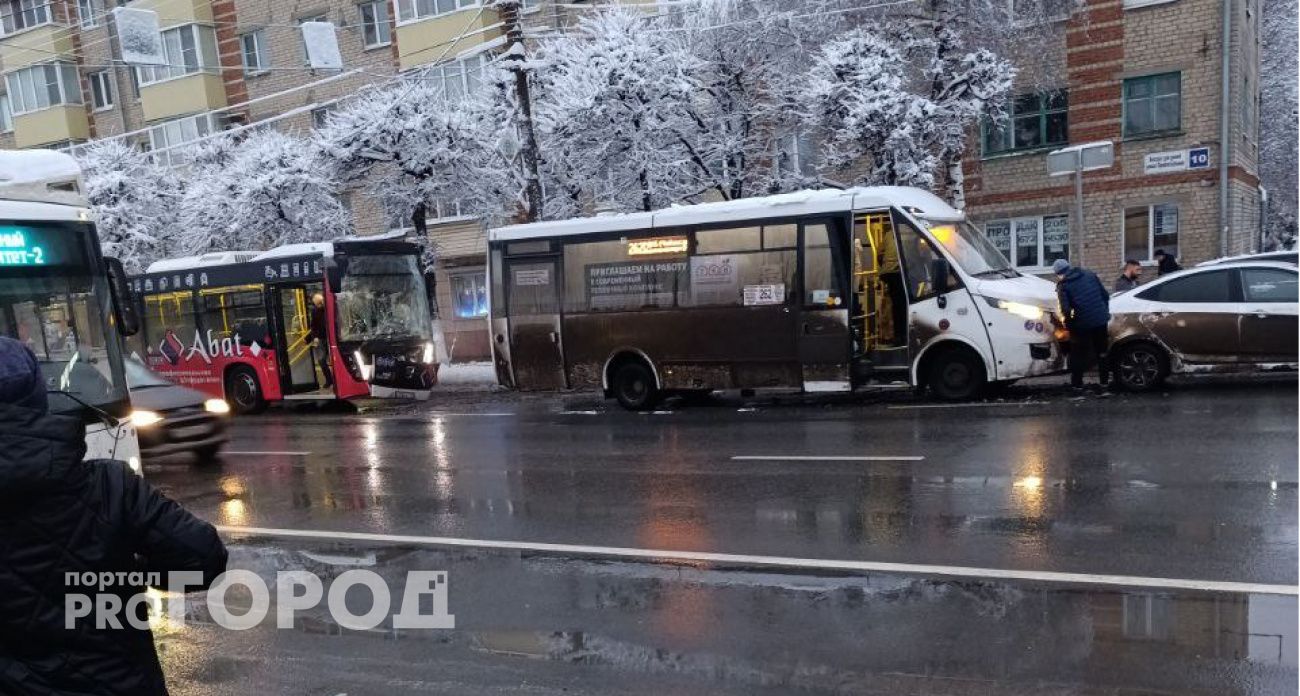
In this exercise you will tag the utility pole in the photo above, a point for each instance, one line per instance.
(508, 10)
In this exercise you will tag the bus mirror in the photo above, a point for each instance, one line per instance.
(941, 275)
(119, 288)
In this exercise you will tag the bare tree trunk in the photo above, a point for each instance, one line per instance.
(509, 12)
(956, 182)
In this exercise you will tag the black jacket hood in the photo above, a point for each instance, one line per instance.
(39, 450)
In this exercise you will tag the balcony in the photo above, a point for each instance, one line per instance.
(174, 12)
(38, 44)
(194, 93)
(427, 40)
(53, 125)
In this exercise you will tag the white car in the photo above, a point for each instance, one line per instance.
(1226, 317)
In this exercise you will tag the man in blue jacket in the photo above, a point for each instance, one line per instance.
(1085, 307)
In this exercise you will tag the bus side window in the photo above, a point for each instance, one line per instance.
(173, 311)
(236, 312)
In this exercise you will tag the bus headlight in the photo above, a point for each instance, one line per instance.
(216, 406)
(428, 354)
(144, 419)
(1020, 309)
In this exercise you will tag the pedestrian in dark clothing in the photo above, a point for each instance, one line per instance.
(60, 515)
(1165, 263)
(320, 336)
(1085, 307)
(1128, 278)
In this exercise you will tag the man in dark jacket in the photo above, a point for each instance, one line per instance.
(1165, 263)
(320, 336)
(1128, 277)
(1085, 306)
(61, 515)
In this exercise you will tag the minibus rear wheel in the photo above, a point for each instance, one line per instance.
(956, 374)
(634, 386)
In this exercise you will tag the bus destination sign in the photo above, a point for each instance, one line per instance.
(19, 247)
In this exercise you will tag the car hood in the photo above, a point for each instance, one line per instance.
(166, 398)
(1026, 289)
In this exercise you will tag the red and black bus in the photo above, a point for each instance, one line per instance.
(239, 325)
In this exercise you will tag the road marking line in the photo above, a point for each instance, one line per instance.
(268, 452)
(975, 405)
(470, 415)
(782, 561)
(823, 458)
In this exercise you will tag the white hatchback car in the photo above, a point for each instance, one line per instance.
(1226, 317)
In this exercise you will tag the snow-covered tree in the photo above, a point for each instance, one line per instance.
(135, 201)
(1277, 118)
(614, 102)
(898, 103)
(418, 149)
(258, 192)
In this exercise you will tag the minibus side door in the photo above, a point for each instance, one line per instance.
(822, 325)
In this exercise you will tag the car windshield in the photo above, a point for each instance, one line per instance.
(52, 301)
(970, 249)
(140, 377)
(383, 297)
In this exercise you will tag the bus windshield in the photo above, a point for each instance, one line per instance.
(970, 249)
(54, 302)
(382, 296)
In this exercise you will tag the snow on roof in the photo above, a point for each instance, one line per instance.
(41, 176)
(808, 202)
(302, 249)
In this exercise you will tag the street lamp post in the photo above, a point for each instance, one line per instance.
(1076, 160)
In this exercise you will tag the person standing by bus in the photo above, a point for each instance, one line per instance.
(1085, 307)
(320, 336)
(61, 516)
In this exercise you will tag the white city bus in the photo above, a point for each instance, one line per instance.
(63, 299)
(819, 291)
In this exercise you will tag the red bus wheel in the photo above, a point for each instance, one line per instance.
(243, 391)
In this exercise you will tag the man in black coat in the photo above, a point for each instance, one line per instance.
(320, 337)
(1085, 306)
(61, 515)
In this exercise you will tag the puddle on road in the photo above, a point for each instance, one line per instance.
(791, 631)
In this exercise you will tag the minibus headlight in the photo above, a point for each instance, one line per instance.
(1020, 309)
(218, 406)
(362, 366)
(144, 419)
(428, 354)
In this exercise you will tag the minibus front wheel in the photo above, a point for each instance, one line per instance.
(955, 373)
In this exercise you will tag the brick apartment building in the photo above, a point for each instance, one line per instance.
(1147, 76)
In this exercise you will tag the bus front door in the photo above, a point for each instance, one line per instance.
(296, 356)
(533, 308)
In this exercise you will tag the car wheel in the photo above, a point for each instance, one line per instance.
(956, 374)
(243, 391)
(1140, 367)
(634, 386)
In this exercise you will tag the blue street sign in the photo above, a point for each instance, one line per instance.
(1198, 158)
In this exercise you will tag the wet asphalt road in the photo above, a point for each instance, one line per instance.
(1196, 484)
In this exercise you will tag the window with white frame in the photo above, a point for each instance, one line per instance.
(253, 47)
(101, 89)
(320, 116)
(411, 10)
(376, 29)
(167, 138)
(42, 86)
(469, 294)
(1031, 242)
(187, 50)
(1148, 228)
(6, 114)
(459, 77)
(90, 12)
(17, 15)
